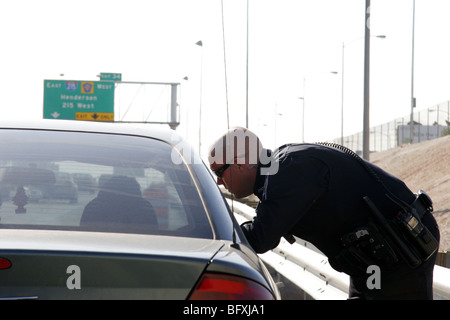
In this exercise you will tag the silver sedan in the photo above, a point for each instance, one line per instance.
(151, 223)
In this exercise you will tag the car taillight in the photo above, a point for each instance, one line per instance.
(5, 263)
(212, 286)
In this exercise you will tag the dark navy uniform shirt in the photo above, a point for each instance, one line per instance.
(317, 194)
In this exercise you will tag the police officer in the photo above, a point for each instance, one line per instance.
(330, 197)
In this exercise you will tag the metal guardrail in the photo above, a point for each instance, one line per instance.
(307, 268)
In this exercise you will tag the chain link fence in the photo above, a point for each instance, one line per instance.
(428, 124)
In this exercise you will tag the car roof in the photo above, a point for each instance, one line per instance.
(158, 131)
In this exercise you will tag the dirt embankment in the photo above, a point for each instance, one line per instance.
(425, 166)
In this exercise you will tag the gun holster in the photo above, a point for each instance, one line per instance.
(384, 242)
(363, 247)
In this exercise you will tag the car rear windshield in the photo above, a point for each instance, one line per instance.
(97, 182)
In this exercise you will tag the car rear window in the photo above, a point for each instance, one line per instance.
(97, 182)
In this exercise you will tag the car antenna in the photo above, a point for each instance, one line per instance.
(228, 123)
(232, 198)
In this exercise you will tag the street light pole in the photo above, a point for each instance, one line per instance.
(200, 44)
(342, 95)
(303, 118)
(413, 100)
(366, 121)
(246, 77)
(303, 105)
(344, 45)
(304, 102)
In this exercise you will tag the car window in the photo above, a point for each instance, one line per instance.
(97, 182)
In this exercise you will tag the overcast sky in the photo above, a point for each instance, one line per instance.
(295, 50)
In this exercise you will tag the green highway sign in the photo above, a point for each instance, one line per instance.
(111, 76)
(79, 100)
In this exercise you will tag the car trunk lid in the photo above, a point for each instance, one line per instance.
(87, 265)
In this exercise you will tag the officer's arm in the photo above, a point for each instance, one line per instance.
(290, 194)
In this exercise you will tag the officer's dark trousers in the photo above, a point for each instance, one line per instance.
(403, 283)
